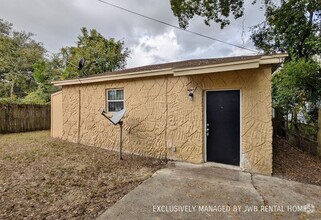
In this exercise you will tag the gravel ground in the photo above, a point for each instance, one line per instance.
(44, 178)
(293, 164)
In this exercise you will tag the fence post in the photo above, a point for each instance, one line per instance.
(274, 123)
(319, 135)
(296, 129)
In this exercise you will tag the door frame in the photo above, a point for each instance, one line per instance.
(205, 118)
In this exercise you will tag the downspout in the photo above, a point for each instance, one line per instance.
(79, 115)
(166, 116)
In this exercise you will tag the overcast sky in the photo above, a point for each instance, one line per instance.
(57, 24)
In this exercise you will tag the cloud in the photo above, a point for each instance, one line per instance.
(155, 49)
(57, 24)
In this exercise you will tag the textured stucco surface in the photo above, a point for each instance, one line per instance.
(160, 117)
(56, 115)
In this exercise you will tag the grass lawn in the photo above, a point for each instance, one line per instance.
(41, 177)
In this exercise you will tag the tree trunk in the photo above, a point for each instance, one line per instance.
(12, 88)
(296, 128)
(319, 135)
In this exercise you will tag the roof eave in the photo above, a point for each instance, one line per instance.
(113, 77)
(221, 67)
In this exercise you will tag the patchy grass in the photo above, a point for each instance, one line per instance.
(41, 177)
(293, 164)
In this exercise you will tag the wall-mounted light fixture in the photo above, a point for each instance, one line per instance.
(191, 93)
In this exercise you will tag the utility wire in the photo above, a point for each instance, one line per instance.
(176, 27)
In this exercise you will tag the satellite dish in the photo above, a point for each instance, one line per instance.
(118, 116)
(116, 120)
(81, 64)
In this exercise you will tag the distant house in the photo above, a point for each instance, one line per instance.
(207, 110)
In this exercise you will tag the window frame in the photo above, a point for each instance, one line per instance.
(107, 100)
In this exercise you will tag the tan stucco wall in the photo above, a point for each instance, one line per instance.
(56, 115)
(160, 116)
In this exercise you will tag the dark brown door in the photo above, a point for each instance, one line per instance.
(223, 126)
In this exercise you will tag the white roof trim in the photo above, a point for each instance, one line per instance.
(222, 67)
(56, 93)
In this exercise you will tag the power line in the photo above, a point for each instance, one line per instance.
(176, 27)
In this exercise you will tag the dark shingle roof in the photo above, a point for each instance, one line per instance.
(181, 64)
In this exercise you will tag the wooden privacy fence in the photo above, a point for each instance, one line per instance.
(19, 118)
(306, 137)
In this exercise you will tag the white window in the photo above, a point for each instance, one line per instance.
(115, 100)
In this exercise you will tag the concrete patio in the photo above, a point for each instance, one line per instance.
(187, 191)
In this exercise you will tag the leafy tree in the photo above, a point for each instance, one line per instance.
(211, 10)
(18, 53)
(293, 27)
(45, 72)
(36, 97)
(26, 74)
(295, 85)
(101, 54)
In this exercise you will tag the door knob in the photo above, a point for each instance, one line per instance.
(207, 129)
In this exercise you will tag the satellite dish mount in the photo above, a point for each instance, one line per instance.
(116, 120)
(81, 63)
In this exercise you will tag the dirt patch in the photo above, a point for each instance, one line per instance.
(42, 177)
(293, 164)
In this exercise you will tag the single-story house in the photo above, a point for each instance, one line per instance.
(206, 110)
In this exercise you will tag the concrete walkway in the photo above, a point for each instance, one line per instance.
(186, 191)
